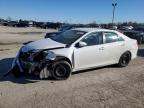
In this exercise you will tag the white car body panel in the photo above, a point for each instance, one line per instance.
(90, 56)
(65, 52)
(113, 51)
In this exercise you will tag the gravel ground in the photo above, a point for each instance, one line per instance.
(107, 87)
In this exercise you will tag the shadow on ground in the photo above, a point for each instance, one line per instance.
(5, 65)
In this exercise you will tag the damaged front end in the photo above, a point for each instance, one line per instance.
(37, 62)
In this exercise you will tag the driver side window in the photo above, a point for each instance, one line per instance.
(93, 39)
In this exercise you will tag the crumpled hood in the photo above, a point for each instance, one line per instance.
(42, 44)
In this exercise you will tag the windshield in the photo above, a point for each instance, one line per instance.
(68, 37)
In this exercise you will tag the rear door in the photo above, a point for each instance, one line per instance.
(114, 47)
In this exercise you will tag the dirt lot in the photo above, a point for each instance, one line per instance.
(107, 87)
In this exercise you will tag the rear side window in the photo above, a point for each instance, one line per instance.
(111, 37)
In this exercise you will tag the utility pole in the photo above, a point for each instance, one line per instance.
(114, 6)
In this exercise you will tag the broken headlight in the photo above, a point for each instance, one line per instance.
(50, 55)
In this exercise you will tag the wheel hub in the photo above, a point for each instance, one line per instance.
(60, 70)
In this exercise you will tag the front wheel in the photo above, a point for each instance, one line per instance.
(124, 60)
(61, 70)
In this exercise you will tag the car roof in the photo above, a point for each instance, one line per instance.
(92, 29)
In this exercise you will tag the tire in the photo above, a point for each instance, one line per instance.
(124, 59)
(61, 70)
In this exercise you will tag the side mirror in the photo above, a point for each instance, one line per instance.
(81, 44)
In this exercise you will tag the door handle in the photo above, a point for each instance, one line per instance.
(102, 48)
(123, 44)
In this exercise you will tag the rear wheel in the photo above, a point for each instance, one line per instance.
(124, 59)
(61, 70)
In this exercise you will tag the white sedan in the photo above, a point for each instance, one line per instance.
(74, 50)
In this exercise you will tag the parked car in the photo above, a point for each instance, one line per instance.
(51, 25)
(51, 34)
(4, 23)
(12, 23)
(62, 29)
(74, 50)
(141, 29)
(39, 24)
(126, 27)
(65, 27)
(71, 26)
(139, 36)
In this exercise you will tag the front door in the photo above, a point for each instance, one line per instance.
(90, 55)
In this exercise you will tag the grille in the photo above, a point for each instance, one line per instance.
(31, 57)
(24, 55)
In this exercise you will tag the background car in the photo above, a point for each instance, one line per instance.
(126, 28)
(51, 34)
(139, 29)
(66, 27)
(139, 36)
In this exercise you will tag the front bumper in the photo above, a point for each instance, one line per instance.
(17, 62)
(33, 62)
